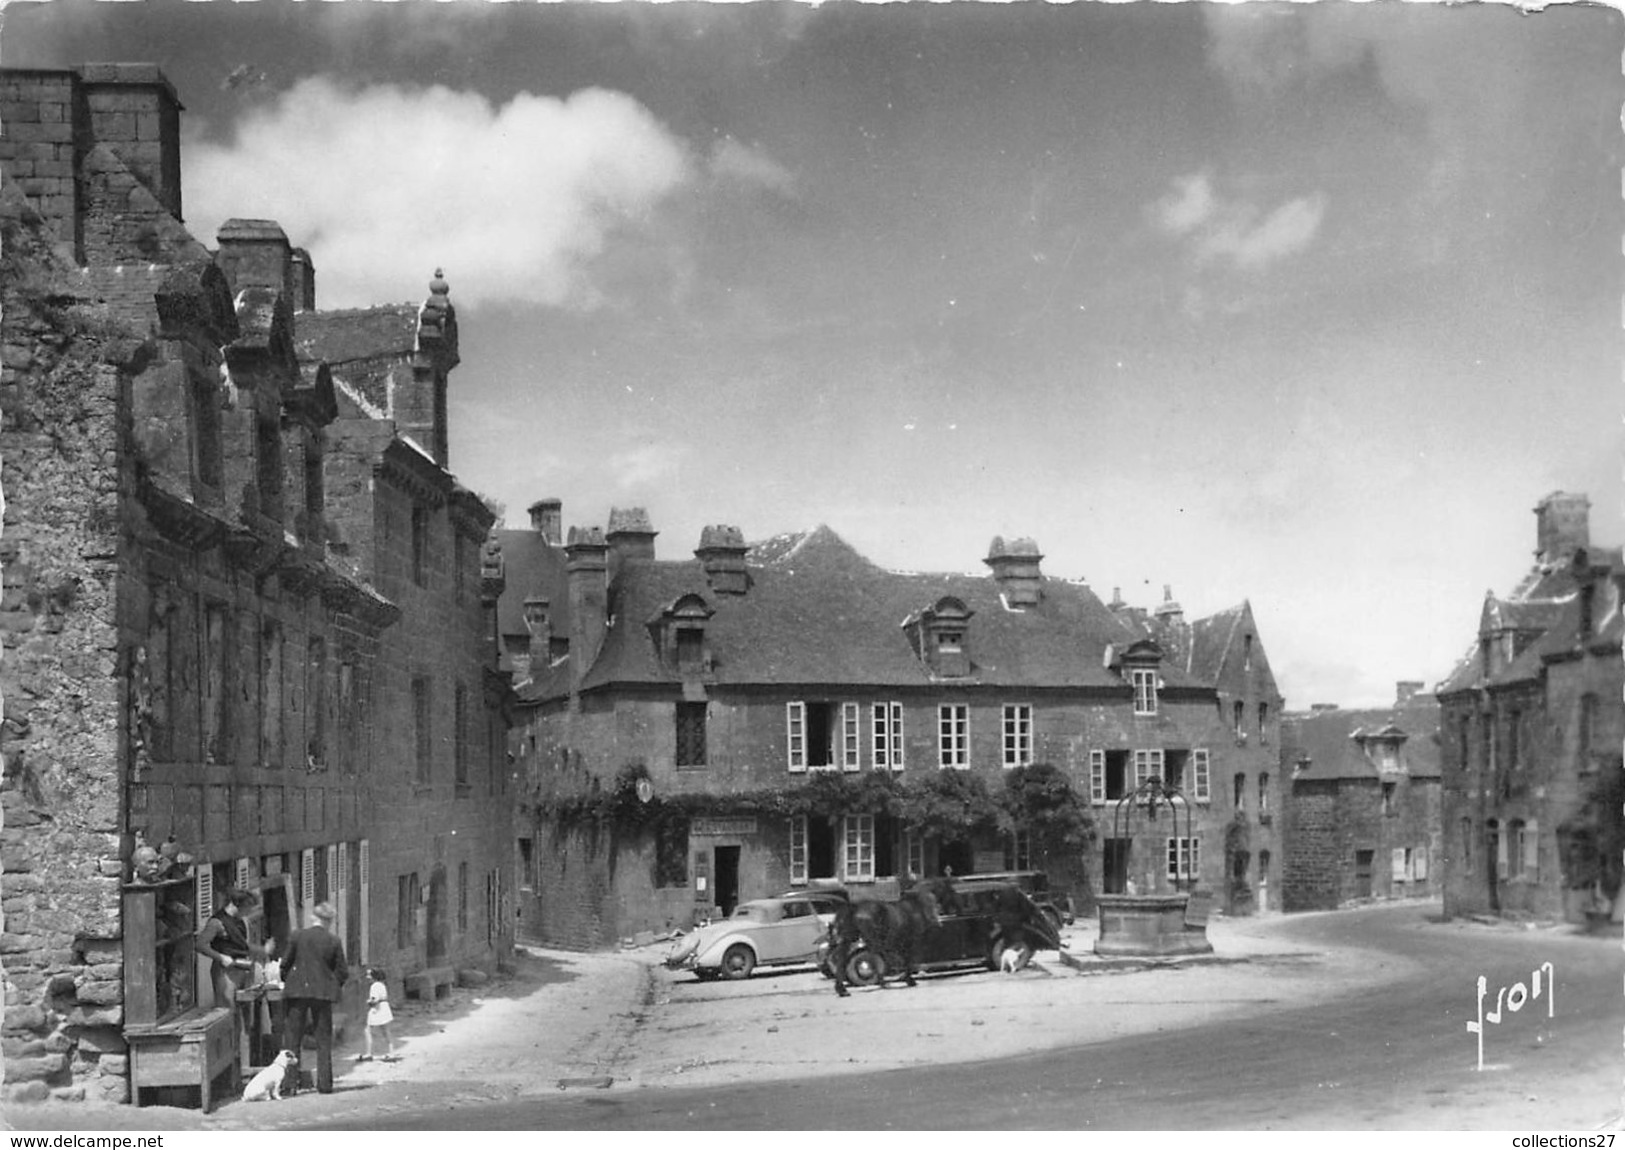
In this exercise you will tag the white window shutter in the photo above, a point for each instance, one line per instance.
(1396, 864)
(897, 736)
(241, 882)
(795, 718)
(338, 881)
(1097, 777)
(1421, 864)
(203, 873)
(1531, 851)
(798, 850)
(1203, 782)
(851, 740)
(307, 878)
(362, 862)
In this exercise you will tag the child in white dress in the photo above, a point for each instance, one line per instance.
(379, 1016)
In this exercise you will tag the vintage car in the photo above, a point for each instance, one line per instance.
(1053, 901)
(969, 937)
(762, 932)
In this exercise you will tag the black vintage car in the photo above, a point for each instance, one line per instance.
(1053, 901)
(969, 937)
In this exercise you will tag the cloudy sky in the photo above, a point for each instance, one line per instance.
(1306, 305)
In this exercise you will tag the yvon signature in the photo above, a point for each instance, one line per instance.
(1514, 999)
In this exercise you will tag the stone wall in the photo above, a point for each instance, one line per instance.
(65, 370)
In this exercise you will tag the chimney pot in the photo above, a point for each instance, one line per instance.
(722, 554)
(547, 520)
(1016, 568)
(631, 536)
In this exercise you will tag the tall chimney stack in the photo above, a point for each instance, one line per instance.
(1563, 526)
(587, 570)
(547, 520)
(1016, 570)
(630, 534)
(722, 553)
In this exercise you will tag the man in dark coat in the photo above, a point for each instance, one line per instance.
(313, 974)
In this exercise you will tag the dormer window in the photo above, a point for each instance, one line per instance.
(679, 636)
(938, 635)
(1145, 690)
(1382, 749)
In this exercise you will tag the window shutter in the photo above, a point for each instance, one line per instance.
(1531, 851)
(798, 850)
(795, 718)
(1396, 864)
(363, 864)
(850, 740)
(307, 878)
(338, 884)
(1203, 785)
(241, 881)
(1097, 777)
(897, 736)
(1421, 856)
(203, 873)
(1500, 852)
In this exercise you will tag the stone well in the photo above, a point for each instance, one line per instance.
(1149, 925)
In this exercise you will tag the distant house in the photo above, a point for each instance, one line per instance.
(1533, 719)
(700, 731)
(1362, 811)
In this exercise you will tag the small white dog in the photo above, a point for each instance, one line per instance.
(1014, 958)
(266, 1086)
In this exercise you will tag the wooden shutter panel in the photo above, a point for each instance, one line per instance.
(795, 721)
(241, 881)
(307, 878)
(203, 874)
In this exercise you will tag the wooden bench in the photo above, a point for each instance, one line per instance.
(435, 982)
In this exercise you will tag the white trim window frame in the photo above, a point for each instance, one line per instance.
(1018, 735)
(886, 728)
(1202, 776)
(795, 724)
(914, 850)
(953, 736)
(1097, 778)
(1144, 680)
(858, 835)
(798, 850)
(1184, 858)
(1147, 762)
(851, 738)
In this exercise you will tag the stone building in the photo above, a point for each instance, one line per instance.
(247, 637)
(696, 732)
(1533, 720)
(1361, 817)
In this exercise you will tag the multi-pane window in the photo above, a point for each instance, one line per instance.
(691, 734)
(795, 720)
(1184, 858)
(1145, 690)
(887, 725)
(1147, 765)
(915, 849)
(1097, 776)
(1018, 734)
(851, 741)
(1201, 782)
(821, 736)
(953, 736)
(798, 849)
(859, 833)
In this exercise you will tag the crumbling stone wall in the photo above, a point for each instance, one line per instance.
(65, 366)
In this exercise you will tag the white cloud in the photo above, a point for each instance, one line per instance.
(384, 184)
(646, 464)
(1288, 229)
(1226, 229)
(732, 160)
(1189, 204)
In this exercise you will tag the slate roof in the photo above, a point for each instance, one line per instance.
(1327, 737)
(351, 334)
(818, 612)
(531, 567)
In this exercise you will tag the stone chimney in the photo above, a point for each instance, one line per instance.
(547, 520)
(304, 281)
(587, 569)
(722, 553)
(539, 622)
(1406, 690)
(1563, 525)
(630, 534)
(133, 110)
(256, 254)
(1016, 569)
(1168, 611)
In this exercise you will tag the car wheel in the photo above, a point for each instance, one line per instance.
(865, 968)
(739, 961)
(995, 953)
